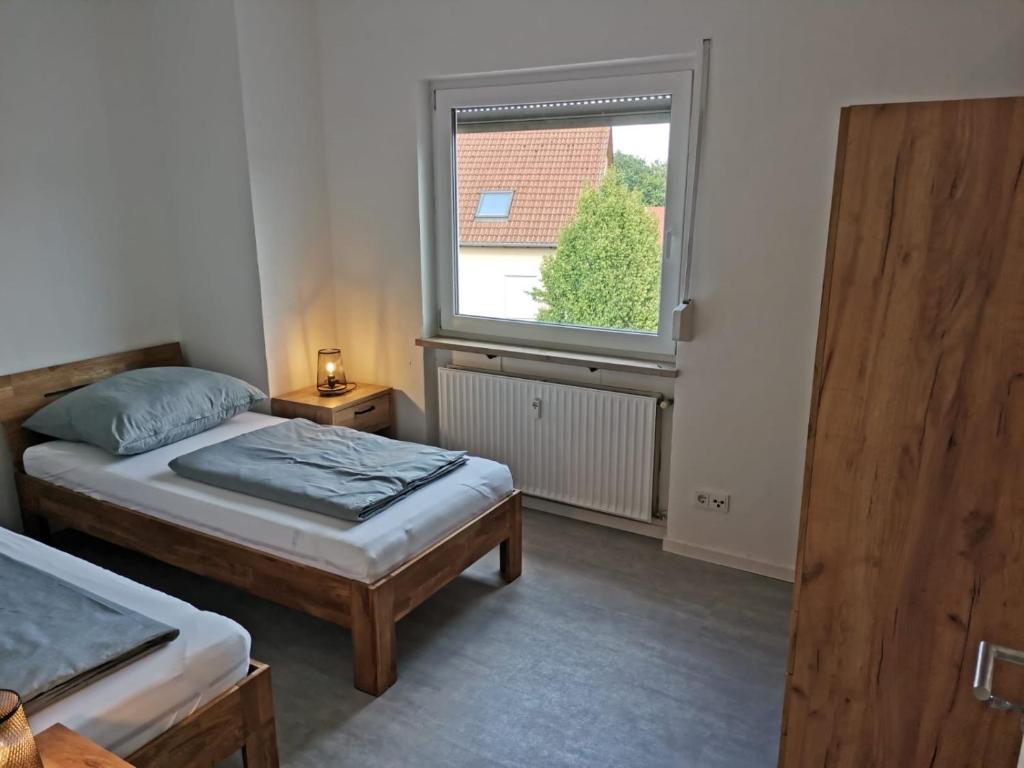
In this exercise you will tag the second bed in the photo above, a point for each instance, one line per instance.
(366, 551)
(363, 576)
(188, 703)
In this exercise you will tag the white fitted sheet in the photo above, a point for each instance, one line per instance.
(124, 710)
(364, 551)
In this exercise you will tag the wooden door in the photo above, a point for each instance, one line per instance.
(912, 533)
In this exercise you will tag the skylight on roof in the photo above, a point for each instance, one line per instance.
(494, 205)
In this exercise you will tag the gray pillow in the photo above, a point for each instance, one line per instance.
(137, 411)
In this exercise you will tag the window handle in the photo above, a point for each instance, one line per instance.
(683, 321)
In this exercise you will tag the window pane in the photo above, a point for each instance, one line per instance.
(560, 217)
(494, 205)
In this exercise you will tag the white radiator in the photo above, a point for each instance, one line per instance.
(587, 447)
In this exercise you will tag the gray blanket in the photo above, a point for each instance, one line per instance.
(56, 637)
(335, 471)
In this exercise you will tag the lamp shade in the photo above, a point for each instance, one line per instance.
(17, 747)
(330, 373)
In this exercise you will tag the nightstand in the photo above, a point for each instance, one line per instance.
(61, 747)
(366, 408)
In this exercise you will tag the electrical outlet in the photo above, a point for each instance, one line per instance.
(719, 502)
(714, 501)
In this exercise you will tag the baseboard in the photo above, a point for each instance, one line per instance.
(729, 559)
(653, 530)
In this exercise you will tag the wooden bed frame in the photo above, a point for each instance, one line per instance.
(369, 610)
(241, 718)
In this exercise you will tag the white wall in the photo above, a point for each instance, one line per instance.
(84, 248)
(281, 92)
(206, 175)
(781, 71)
(86, 262)
(125, 212)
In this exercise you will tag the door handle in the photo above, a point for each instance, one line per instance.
(984, 671)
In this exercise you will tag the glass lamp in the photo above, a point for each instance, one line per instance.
(17, 747)
(330, 374)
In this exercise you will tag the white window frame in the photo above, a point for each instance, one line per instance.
(675, 75)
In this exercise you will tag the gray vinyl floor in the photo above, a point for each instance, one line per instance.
(607, 652)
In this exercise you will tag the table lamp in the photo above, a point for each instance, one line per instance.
(330, 374)
(17, 747)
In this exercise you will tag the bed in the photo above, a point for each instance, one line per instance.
(190, 703)
(364, 577)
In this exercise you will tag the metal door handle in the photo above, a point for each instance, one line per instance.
(988, 655)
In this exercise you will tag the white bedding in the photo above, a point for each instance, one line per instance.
(365, 551)
(127, 708)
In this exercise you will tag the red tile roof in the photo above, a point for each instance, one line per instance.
(544, 169)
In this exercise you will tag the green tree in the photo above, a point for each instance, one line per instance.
(606, 270)
(649, 179)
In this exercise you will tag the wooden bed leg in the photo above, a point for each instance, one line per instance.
(373, 638)
(259, 750)
(512, 548)
(36, 526)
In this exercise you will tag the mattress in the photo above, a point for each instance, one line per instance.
(363, 551)
(127, 708)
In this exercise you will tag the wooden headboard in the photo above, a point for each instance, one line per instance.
(22, 394)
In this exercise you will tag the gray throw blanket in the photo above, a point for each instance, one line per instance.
(56, 638)
(335, 471)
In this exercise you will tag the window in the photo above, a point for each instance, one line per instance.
(598, 162)
(494, 205)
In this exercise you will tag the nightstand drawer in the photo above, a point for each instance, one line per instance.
(367, 416)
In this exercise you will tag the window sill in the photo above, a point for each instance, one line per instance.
(583, 359)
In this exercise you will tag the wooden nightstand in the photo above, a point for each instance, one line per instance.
(61, 747)
(366, 408)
